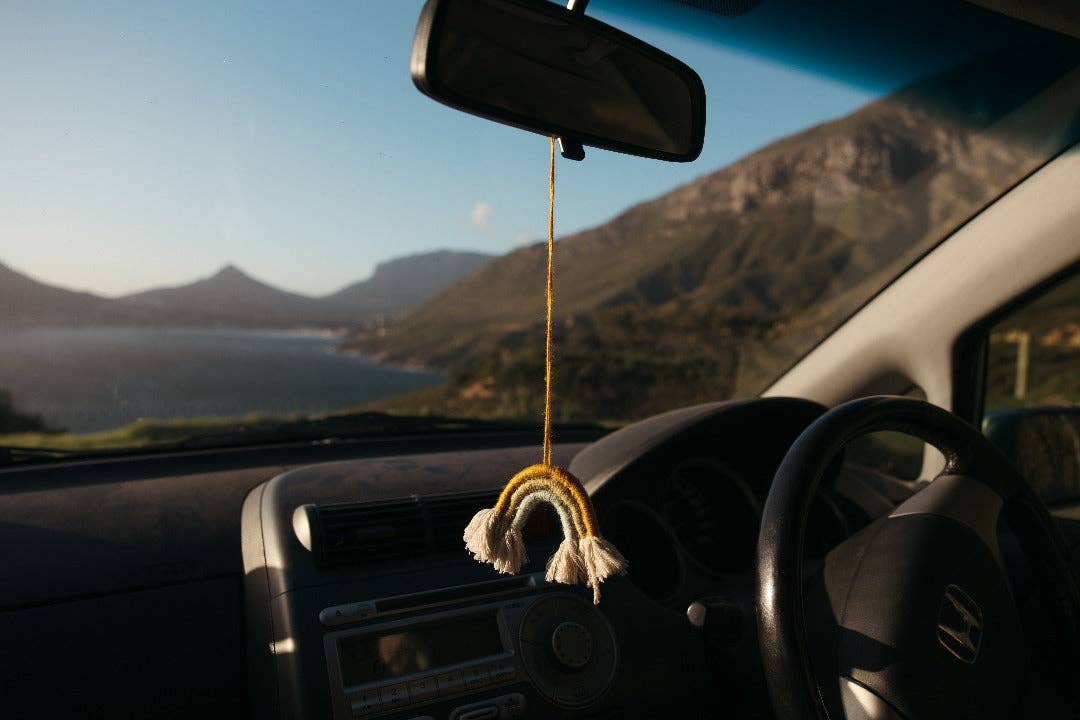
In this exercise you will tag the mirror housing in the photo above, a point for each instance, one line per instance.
(1044, 444)
(540, 67)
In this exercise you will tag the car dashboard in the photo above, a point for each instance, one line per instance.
(361, 601)
(329, 579)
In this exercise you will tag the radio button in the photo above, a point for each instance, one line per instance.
(394, 695)
(365, 702)
(484, 712)
(423, 688)
(502, 671)
(504, 707)
(345, 614)
(511, 706)
(476, 676)
(450, 682)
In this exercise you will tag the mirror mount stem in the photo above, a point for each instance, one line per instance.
(569, 148)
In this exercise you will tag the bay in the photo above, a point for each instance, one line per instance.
(88, 379)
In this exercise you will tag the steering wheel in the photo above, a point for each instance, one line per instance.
(913, 616)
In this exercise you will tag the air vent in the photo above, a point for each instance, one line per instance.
(449, 514)
(388, 531)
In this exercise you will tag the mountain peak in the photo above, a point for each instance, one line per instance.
(230, 278)
(230, 271)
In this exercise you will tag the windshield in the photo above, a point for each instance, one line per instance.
(220, 217)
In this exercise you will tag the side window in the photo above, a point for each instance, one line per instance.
(1031, 397)
(895, 454)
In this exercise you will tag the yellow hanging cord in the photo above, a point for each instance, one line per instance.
(550, 305)
(494, 535)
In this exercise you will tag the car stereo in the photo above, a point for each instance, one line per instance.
(557, 643)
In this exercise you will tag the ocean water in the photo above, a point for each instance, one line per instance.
(90, 379)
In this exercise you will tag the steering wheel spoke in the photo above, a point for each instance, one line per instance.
(861, 703)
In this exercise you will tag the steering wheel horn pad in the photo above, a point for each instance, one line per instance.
(922, 614)
(913, 616)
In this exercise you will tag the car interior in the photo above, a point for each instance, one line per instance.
(873, 515)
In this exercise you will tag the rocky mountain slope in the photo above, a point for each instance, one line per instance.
(711, 289)
(24, 300)
(404, 283)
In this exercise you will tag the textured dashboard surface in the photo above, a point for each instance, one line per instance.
(83, 529)
(121, 579)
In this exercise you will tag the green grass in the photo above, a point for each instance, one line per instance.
(149, 432)
(254, 429)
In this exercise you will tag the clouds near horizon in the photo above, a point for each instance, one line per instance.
(480, 215)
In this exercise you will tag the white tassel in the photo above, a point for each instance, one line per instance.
(511, 555)
(602, 561)
(566, 565)
(482, 535)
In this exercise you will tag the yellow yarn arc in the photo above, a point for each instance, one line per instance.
(561, 484)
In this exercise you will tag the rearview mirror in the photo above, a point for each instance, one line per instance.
(540, 67)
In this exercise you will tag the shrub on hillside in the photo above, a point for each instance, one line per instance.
(13, 421)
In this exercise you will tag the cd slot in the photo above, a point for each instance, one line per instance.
(355, 612)
(443, 596)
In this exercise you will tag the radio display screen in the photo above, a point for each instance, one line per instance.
(383, 656)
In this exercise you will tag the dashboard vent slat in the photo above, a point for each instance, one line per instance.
(391, 531)
(448, 516)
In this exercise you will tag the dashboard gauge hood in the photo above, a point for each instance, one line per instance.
(602, 460)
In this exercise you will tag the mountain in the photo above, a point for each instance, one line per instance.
(403, 283)
(232, 297)
(24, 301)
(710, 290)
(229, 296)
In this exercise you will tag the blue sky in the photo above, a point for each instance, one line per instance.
(150, 143)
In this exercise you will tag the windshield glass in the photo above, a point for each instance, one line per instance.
(220, 217)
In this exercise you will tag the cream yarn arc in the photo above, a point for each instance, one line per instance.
(494, 534)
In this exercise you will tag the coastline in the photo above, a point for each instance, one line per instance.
(92, 378)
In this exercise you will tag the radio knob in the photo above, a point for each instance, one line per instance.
(568, 650)
(572, 645)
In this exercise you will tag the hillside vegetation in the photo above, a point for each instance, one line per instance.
(712, 289)
(13, 420)
(1052, 325)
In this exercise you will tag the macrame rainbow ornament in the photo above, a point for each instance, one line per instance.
(494, 535)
